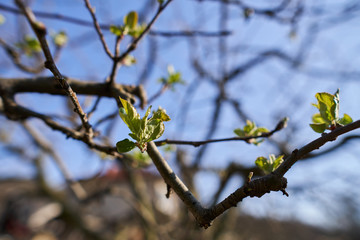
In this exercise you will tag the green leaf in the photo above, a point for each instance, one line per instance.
(239, 132)
(137, 30)
(249, 126)
(269, 165)
(251, 130)
(318, 127)
(259, 131)
(173, 78)
(125, 145)
(33, 43)
(326, 106)
(118, 30)
(130, 116)
(277, 162)
(145, 129)
(29, 45)
(345, 120)
(328, 116)
(60, 39)
(317, 118)
(161, 115)
(160, 2)
(131, 20)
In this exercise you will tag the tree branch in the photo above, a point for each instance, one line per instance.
(40, 31)
(134, 43)
(46, 85)
(252, 188)
(278, 127)
(97, 28)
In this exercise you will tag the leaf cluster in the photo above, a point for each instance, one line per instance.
(131, 26)
(251, 130)
(144, 129)
(269, 165)
(172, 79)
(328, 116)
(29, 45)
(60, 39)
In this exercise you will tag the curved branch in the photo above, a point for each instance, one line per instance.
(252, 188)
(40, 31)
(316, 144)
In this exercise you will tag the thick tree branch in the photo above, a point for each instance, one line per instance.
(47, 85)
(316, 144)
(252, 188)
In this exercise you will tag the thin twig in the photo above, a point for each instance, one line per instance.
(111, 79)
(16, 59)
(278, 127)
(16, 112)
(97, 28)
(190, 33)
(106, 27)
(134, 43)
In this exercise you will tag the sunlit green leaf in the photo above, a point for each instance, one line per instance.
(317, 118)
(161, 114)
(29, 45)
(239, 132)
(137, 30)
(326, 106)
(173, 78)
(328, 116)
(145, 129)
(345, 120)
(130, 117)
(119, 30)
(251, 130)
(131, 20)
(125, 145)
(318, 127)
(269, 165)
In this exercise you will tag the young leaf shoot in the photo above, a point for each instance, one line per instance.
(251, 130)
(328, 116)
(143, 130)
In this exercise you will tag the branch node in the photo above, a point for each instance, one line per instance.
(168, 191)
(284, 192)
